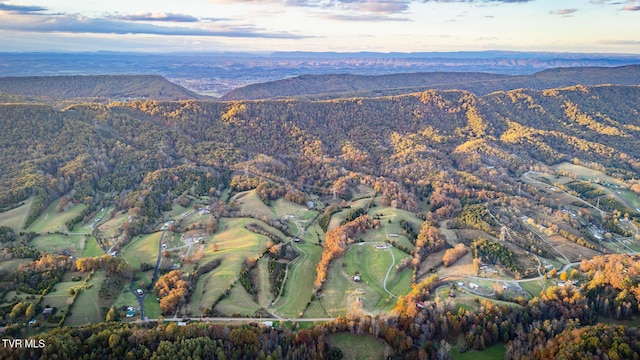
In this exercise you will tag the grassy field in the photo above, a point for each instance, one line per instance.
(493, 352)
(151, 307)
(61, 297)
(264, 295)
(15, 218)
(234, 245)
(11, 265)
(239, 302)
(373, 265)
(299, 285)
(91, 248)
(282, 207)
(357, 346)
(86, 310)
(585, 173)
(56, 243)
(126, 298)
(110, 227)
(50, 221)
(142, 249)
(250, 202)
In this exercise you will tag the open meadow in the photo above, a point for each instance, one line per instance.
(86, 308)
(15, 218)
(52, 221)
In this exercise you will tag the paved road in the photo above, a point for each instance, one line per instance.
(243, 319)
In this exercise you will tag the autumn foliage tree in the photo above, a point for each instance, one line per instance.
(452, 255)
(172, 290)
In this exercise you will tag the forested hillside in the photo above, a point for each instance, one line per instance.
(421, 220)
(96, 87)
(410, 139)
(347, 85)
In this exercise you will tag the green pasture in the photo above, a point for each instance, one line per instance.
(585, 173)
(56, 243)
(239, 302)
(92, 248)
(299, 285)
(86, 309)
(337, 288)
(234, 245)
(50, 221)
(282, 207)
(111, 227)
(358, 347)
(12, 265)
(142, 249)
(262, 283)
(151, 307)
(127, 298)
(250, 202)
(15, 218)
(19, 296)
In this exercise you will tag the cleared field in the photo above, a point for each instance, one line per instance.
(572, 251)
(14, 296)
(234, 245)
(86, 310)
(585, 173)
(110, 227)
(338, 287)
(282, 207)
(50, 221)
(57, 243)
(338, 218)
(151, 307)
(126, 298)
(15, 218)
(373, 264)
(264, 295)
(358, 347)
(12, 265)
(239, 302)
(91, 248)
(61, 298)
(250, 203)
(142, 249)
(299, 285)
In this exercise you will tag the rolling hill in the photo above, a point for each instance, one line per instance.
(347, 85)
(113, 87)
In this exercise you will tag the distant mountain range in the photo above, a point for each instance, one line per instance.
(216, 74)
(348, 85)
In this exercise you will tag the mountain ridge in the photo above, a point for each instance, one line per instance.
(480, 83)
(109, 87)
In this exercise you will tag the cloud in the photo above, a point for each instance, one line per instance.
(563, 12)
(79, 24)
(361, 17)
(168, 17)
(631, 8)
(620, 42)
(21, 8)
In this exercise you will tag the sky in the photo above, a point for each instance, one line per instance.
(594, 26)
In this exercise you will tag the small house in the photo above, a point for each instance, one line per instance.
(356, 278)
(48, 311)
(473, 286)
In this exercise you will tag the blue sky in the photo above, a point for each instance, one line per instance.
(603, 26)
